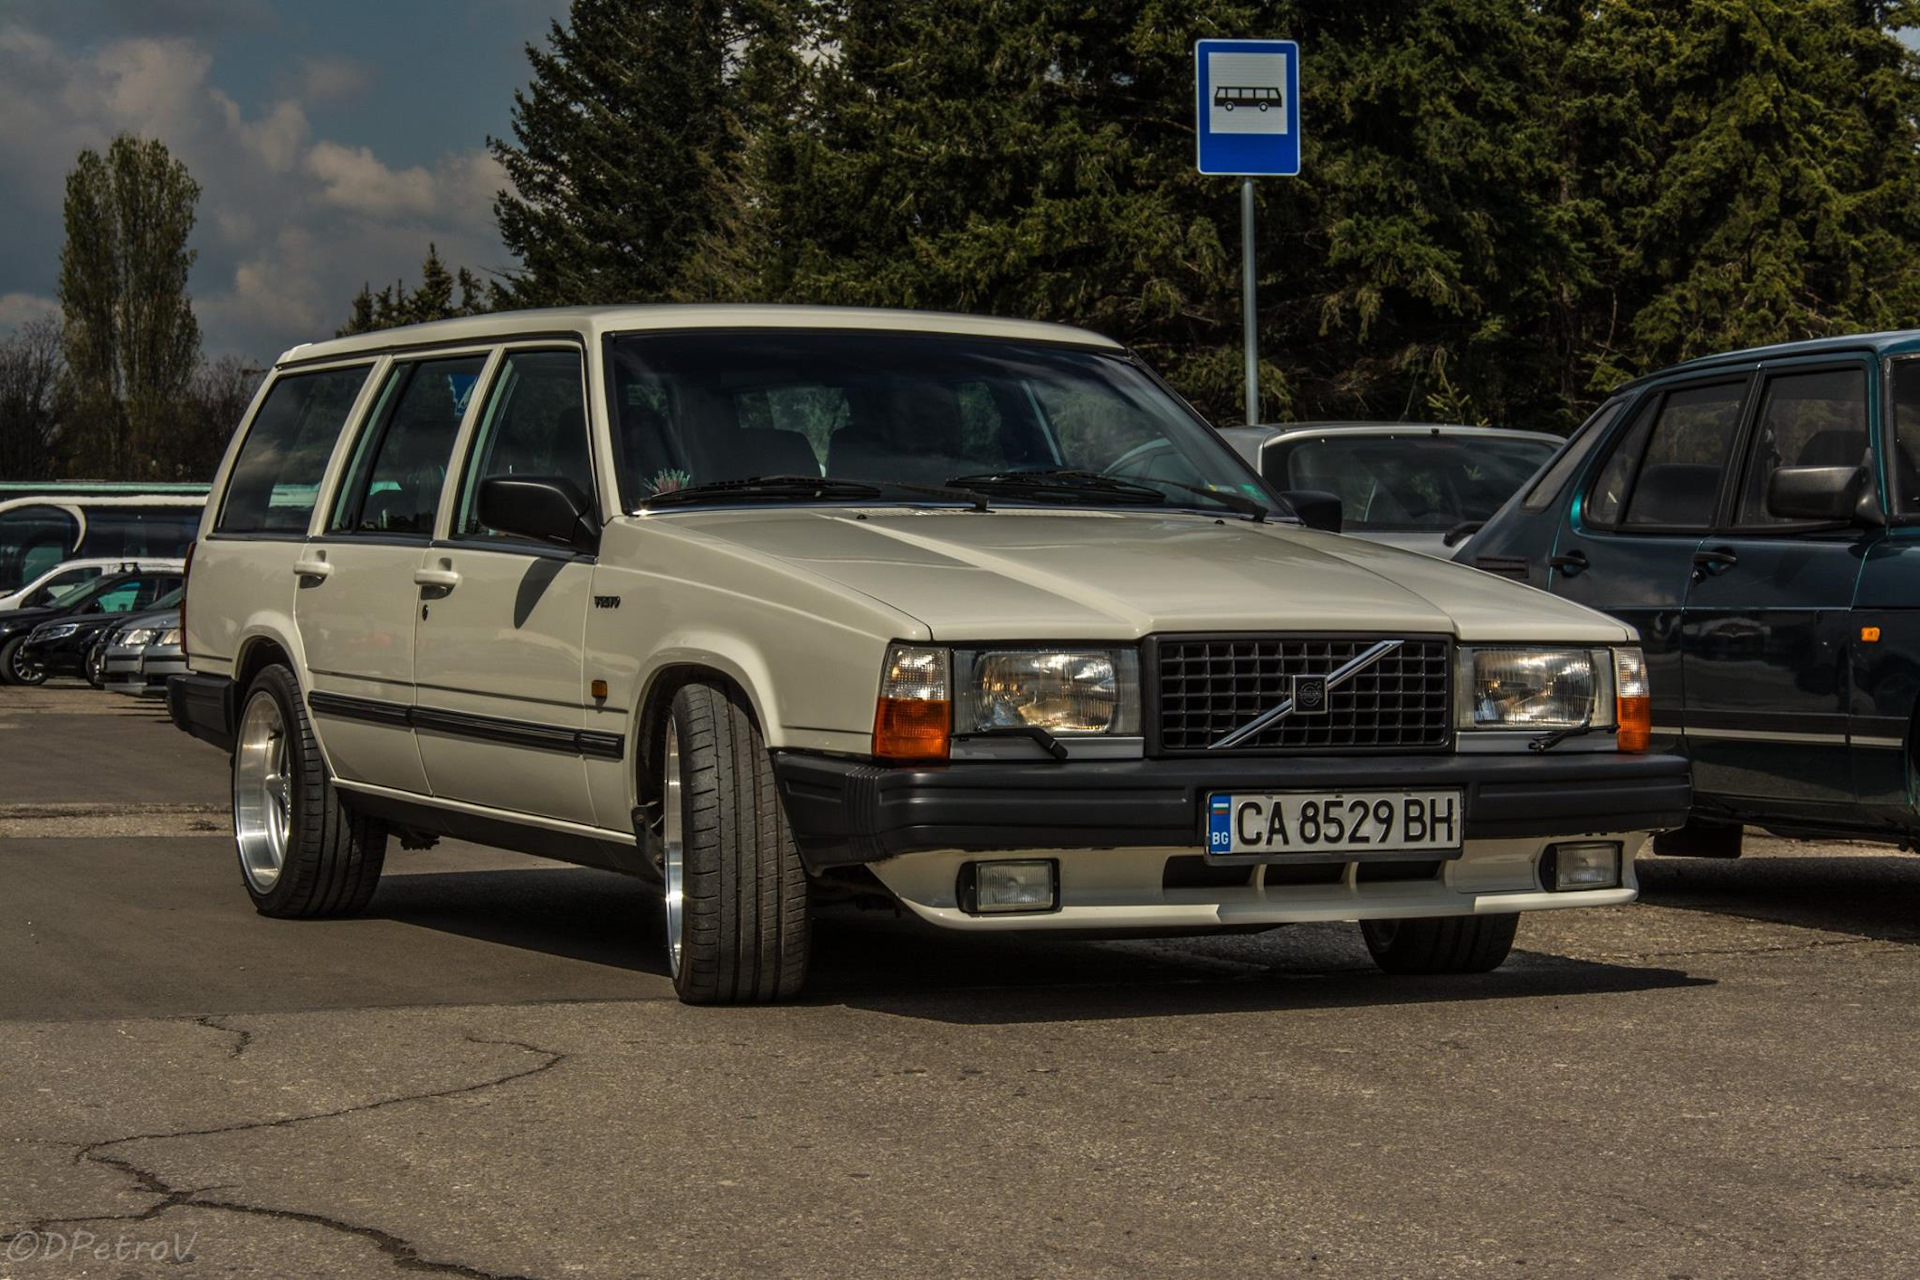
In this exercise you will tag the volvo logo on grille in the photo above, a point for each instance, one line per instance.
(1309, 695)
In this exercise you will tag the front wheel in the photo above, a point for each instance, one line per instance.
(14, 667)
(1446, 944)
(736, 891)
(302, 854)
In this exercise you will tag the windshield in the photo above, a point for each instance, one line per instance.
(33, 539)
(1409, 482)
(864, 414)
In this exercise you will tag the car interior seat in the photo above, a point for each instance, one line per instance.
(1674, 493)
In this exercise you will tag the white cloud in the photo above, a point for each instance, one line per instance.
(17, 309)
(333, 79)
(289, 225)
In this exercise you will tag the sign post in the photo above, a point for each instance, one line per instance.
(1247, 125)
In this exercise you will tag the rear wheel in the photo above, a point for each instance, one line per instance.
(14, 667)
(1447, 944)
(302, 854)
(736, 891)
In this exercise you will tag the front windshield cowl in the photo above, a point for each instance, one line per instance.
(807, 417)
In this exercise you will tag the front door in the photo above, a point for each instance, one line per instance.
(501, 697)
(356, 604)
(1768, 619)
(1628, 544)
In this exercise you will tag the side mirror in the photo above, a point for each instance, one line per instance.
(545, 508)
(1316, 508)
(1832, 495)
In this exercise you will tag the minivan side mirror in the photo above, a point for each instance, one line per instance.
(1833, 495)
(1316, 508)
(544, 508)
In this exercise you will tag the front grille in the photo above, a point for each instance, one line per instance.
(1208, 686)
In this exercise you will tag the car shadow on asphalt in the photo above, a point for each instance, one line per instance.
(876, 961)
(1863, 896)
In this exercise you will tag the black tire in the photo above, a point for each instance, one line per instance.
(333, 855)
(1443, 944)
(14, 669)
(746, 924)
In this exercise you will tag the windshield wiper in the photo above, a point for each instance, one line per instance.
(775, 488)
(1069, 483)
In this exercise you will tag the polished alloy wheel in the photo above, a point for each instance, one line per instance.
(673, 840)
(262, 793)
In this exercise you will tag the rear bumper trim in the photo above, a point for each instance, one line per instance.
(202, 706)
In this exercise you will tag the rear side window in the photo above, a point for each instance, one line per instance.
(1806, 420)
(400, 463)
(1665, 472)
(276, 478)
(535, 425)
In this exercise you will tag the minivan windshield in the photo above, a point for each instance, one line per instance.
(810, 416)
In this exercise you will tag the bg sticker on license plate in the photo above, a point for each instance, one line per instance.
(1332, 822)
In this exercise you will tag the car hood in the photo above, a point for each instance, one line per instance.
(1052, 574)
(12, 620)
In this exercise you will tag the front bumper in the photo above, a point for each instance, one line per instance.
(846, 812)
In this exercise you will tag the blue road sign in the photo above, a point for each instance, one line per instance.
(1247, 107)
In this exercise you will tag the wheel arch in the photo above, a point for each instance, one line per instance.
(650, 718)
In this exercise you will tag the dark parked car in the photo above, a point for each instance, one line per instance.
(1757, 516)
(35, 643)
(138, 655)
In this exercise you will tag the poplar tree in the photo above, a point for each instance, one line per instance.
(131, 340)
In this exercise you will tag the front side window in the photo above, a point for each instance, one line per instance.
(276, 478)
(1665, 472)
(535, 424)
(400, 461)
(1413, 481)
(1904, 467)
(1806, 420)
(854, 416)
(125, 595)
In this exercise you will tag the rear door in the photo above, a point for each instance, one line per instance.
(358, 598)
(501, 702)
(1628, 539)
(1766, 634)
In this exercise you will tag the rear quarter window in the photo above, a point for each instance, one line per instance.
(276, 478)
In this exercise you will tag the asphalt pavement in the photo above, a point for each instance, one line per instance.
(487, 1074)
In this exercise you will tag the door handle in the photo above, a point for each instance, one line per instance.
(1714, 560)
(311, 568)
(444, 579)
(1570, 563)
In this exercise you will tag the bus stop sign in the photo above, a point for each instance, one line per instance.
(1247, 107)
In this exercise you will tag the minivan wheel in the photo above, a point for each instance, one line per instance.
(302, 853)
(736, 891)
(1444, 944)
(14, 667)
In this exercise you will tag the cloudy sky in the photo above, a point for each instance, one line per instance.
(332, 140)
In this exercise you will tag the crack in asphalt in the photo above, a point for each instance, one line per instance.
(397, 1250)
(242, 1038)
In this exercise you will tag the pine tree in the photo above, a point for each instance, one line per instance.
(623, 140)
(395, 304)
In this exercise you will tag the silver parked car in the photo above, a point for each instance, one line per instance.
(142, 653)
(1422, 486)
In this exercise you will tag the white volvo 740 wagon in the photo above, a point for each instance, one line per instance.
(775, 606)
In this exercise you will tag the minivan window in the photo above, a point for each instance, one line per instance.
(276, 478)
(1806, 420)
(535, 425)
(400, 462)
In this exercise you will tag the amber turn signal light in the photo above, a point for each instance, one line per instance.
(912, 730)
(1633, 700)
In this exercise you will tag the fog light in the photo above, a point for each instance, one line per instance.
(1001, 887)
(1581, 866)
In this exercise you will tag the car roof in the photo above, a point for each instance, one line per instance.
(1885, 342)
(594, 323)
(1281, 430)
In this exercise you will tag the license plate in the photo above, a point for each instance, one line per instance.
(1332, 822)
